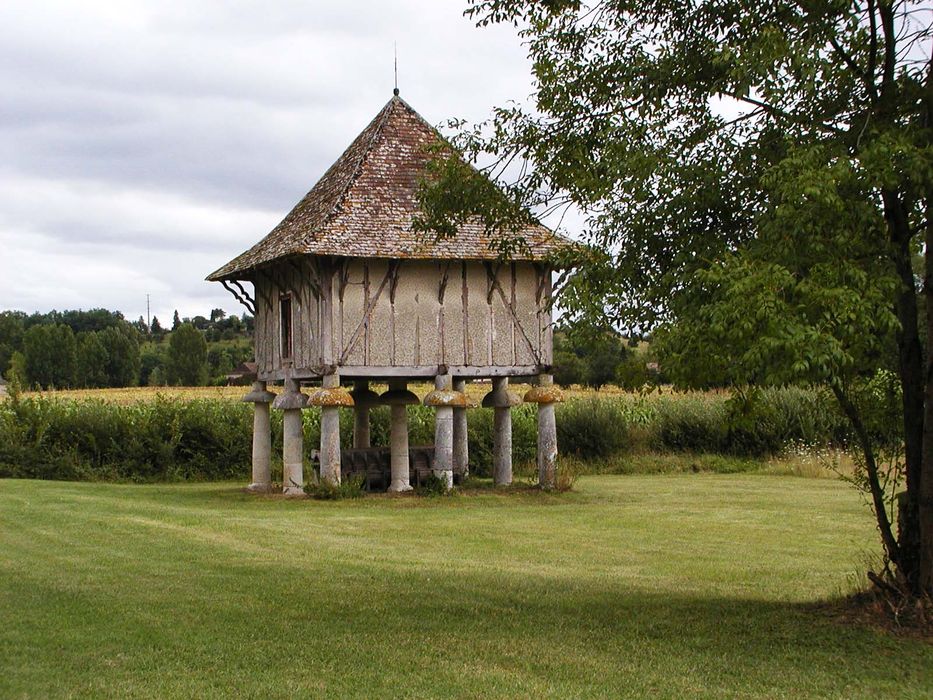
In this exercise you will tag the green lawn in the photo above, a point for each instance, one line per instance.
(636, 586)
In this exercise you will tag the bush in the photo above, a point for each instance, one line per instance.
(592, 428)
(566, 475)
(165, 439)
(170, 439)
(432, 485)
(351, 487)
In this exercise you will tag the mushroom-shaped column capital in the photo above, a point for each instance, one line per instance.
(500, 397)
(291, 398)
(447, 398)
(335, 397)
(399, 397)
(544, 393)
(259, 394)
(364, 397)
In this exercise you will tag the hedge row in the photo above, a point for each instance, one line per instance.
(172, 439)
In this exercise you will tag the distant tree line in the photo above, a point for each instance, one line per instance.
(100, 348)
(595, 358)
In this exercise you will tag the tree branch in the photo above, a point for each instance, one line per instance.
(871, 468)
(789, 116)
(854, 67)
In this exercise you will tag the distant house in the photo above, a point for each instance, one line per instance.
(244, 374)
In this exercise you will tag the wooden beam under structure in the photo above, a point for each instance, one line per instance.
(468, 372)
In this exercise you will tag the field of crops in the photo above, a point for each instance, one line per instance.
(129, 395)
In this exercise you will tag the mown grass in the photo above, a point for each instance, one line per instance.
(671, 586)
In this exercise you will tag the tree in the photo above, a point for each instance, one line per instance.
(91, 364)
(569, 369)
(151, 360)
(587, 356)
(122, 348)
(756, 177)
(87, 321)
(176, 321)
(217, 315)
(633, 372)
(187, 357)
(11, 336)
(156, 328)
(50, 352)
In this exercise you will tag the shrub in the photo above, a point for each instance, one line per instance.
(158, 440)
(592, 428)
(566, 475)
(351, 487)
(432, 485)
(690, 422)
(169, 439)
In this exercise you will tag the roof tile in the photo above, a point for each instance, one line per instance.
(364, 204)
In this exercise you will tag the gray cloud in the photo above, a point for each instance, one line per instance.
(143, 144)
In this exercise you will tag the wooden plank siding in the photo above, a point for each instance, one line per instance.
(412, 315)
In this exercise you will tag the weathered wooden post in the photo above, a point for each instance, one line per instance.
(444, 399)
(461, 438)
(398, 398)
(545, 394)
(291, 401)
(262, 437)
(330, 397)
(364, 399)
(501, 400)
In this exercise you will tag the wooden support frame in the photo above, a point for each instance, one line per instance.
(494, 286)
(391, 272)
(243, 297)
(407, 372)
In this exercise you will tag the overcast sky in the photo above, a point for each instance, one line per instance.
(144, 143)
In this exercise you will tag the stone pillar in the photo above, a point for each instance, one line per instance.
(461, 441)
(363, 400)
(330, 397)
(545, 394)
(444, 399)
(444, 435)
(291, 401)
(293, 453)
(330, 427)
(262, 437)
(398, 398)
(501, 400)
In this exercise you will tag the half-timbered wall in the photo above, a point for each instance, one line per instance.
(300, 280)
(385, 315)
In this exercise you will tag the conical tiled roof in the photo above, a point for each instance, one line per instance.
(364, 204)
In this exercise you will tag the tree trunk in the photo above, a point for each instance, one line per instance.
(891, 548)
(925, 500)
(911, 373)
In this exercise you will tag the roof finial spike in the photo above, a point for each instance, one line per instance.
(395, 56)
